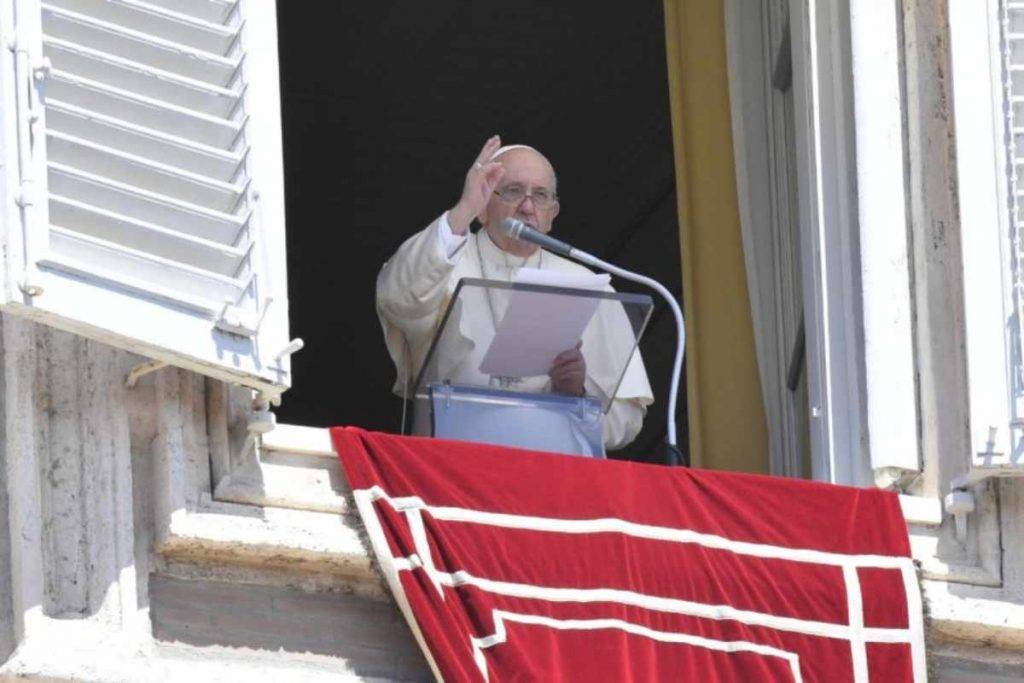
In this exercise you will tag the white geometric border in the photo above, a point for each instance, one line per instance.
(855, 632)
(729, 646)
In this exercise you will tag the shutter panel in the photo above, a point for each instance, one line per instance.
(987, 49)
(1011, 47)
(155, 164)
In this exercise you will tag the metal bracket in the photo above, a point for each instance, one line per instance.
(30, 289)
(959, 502)
(142, 369)
(294, 346)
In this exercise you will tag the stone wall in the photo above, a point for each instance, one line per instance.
(122, 559)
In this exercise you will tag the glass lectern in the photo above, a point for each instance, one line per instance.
(485, 377)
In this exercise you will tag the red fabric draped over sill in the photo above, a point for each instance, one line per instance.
(512, 564)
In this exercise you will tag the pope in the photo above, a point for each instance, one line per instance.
(416, 284)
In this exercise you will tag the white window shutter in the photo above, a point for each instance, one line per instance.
(147, 141)
(987, 48)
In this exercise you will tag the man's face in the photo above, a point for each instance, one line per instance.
(526, 173)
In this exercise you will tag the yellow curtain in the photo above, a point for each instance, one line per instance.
(726, 415)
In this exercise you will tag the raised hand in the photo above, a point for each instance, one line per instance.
(481, 180)
(568, 372)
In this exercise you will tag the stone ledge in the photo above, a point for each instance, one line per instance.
(90, 653)
(297, 481)
(955, 663)
(301, 544)
(369, 636)
(301, 440)
(974, 616)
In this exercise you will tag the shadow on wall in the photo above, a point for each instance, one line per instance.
(369, 635)
(7, 637)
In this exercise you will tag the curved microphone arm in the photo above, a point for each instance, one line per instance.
(677, 367)
(518, 230)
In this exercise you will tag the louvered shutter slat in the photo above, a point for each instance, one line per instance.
(122, 135)
(144, 48)
(156, 21)
(987, 74)
(153, 38)
(147, 206)
(167, 118)
(134, 234)
(130, 263)
(1012, 49)
(162, 173)
(144, 173)
(216, 11)
(141, 79)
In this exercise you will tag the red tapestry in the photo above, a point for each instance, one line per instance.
(519, 565)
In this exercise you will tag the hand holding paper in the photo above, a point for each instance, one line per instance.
(568, 372)
(539, 326)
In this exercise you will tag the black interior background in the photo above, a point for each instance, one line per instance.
(385, 105)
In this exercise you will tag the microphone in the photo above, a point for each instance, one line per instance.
(519, 230)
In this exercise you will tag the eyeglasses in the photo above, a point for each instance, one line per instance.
(513, 194)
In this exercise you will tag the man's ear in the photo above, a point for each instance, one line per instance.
(555, 209)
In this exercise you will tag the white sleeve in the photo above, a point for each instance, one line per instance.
(624, 419)
(412, 288)
(448, 242)
(623, 422)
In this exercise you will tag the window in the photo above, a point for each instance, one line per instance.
(143, 181)
(823, 210)
(988, 88)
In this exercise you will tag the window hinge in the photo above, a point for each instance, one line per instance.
(29, 75)
(41, 69)
(241, 322)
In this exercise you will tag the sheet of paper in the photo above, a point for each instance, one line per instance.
(537, 326)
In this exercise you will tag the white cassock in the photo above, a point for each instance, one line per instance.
(413, 291)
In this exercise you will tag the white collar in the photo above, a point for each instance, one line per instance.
(496, 257)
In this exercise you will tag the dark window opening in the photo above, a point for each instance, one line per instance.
(384, 107)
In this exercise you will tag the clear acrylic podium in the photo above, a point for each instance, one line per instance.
(485, 378)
